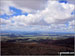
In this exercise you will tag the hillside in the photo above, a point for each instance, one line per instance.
(41, 47)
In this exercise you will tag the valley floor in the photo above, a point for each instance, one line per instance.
(35, 48)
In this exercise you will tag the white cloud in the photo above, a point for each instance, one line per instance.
(31, 4)
(4, 6)
(3, 21)
(57, 11)
(53, 14)
(72, 23)
(71, 1)
(24, 5)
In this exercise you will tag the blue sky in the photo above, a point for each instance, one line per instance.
(63, 1)
(50, 16)
(16, 11)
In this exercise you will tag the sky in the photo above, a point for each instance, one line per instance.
(37, 15)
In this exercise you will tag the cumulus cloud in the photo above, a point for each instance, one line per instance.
(71, 1)
(31, 4)
(24, 5)
(3, 21)
(51, 15)
(4, 6)
(72, 23)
